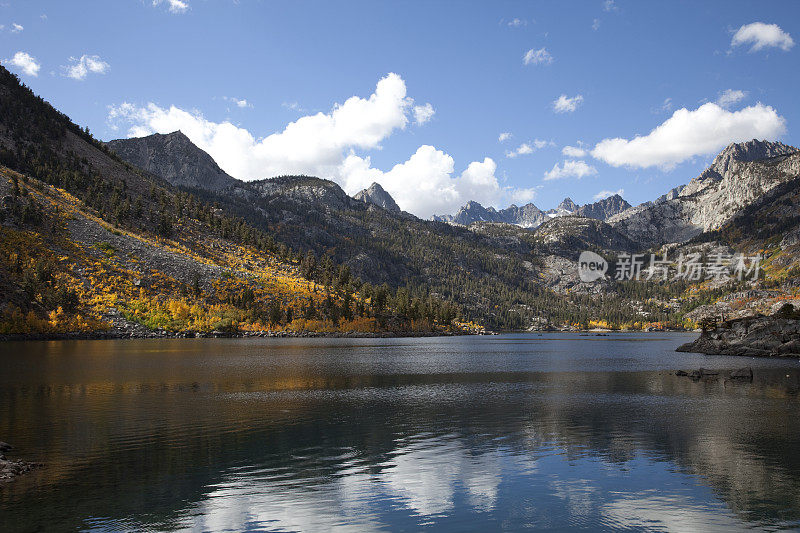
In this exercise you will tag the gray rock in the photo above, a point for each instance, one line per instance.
(761, 336)
(176, 159)
(375, 194)
(743, 374)
(604, 209)
(739, 175)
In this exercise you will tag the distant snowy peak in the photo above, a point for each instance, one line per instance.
(530, 216)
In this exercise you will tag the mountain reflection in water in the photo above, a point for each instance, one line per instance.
(558, 432)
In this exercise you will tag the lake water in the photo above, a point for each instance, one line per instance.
(557, 432)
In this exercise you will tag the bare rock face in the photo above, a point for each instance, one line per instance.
(11, 468)
(375, 194)
(763, 336)
(604, 209)
(529, 216)
(303, 189)
(739, 175)
(569, 235)
(176, 159)
(526, 216)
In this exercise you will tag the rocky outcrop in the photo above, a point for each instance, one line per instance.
(739, 175)
(10, 468)
(304, 189)
(762, 336)
(569, 235)
(603, 209)
(376, 195)
(529, 216)
(176, 159)
(526, 216)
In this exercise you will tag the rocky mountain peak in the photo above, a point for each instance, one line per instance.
(176, 159)
(568, 205)
(752, 150)
(375, 194)
(604, 209)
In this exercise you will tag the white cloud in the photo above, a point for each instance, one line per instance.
(564, 104)
(294, 106)
(25, 62)
(522, 149)
(602, 195)
(80, 68)
(665, 107)
(574, 151)
(503, 137)
(238, 102)
(596, 24)
(523, 196)
(687, 134)
(516, 23)
(16, 28)
(729, 97)
(175, 6)
(423, 113)
(327, 145)
(610, 5)
(526, 148)
(762, 36)
(537, 57)
(426, 183)
(570, 169)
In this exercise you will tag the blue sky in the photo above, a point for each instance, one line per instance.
(239, 78)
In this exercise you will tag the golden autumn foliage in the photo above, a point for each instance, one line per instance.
(74, 286)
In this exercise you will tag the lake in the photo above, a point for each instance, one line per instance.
(555, 431)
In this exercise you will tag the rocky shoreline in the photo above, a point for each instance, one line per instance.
(759, 336)
(10, 468)
(165, 334)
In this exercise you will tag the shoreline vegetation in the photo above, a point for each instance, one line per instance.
(165, 334)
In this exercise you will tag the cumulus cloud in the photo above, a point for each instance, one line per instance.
(16, 28)
(175, 6)
(728, 97)
(574, 151)
(537, 57)
(26, 63)
(516, 23)
(523, 196)
(596, 24)
(687, 134)
(760, 36)
(570, 169)
(84, 65)
(330, 145)
(602, 195)
(423, 113)
(503, 137)
(526, 148)
(564, 104)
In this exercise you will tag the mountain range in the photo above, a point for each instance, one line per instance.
(510, 268)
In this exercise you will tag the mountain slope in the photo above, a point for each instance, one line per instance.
(376, 195)
(174, 158)
(603, 209)
(739, 175)
(89, 242)
(529, 216)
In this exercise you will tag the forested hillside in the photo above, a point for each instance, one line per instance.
(90, 243)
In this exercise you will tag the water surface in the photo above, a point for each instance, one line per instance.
(556, 432)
